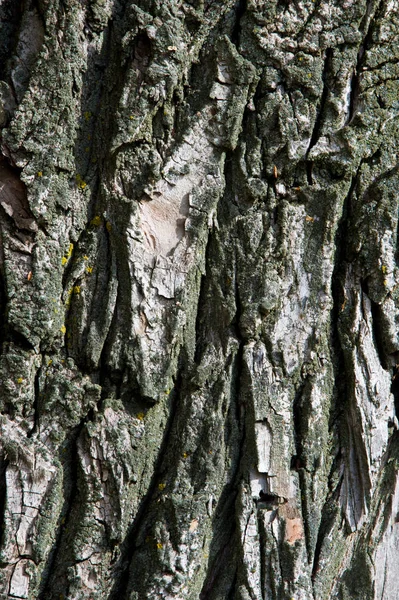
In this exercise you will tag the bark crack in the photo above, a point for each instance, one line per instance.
(320, 114)
(130, 544)
(54, 561)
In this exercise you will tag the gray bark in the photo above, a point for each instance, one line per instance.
(199, 299)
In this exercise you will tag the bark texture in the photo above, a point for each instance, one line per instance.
(199, 367)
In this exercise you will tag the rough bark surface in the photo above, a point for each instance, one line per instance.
(199, 366)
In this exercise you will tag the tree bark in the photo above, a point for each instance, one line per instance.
(199, 373)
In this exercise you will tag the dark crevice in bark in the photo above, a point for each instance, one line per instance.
(387, 485)
(299, 425)
(262, 553)
(232, 594)
(202, 308)
(3, 496)
(241, 8)
(35, 427)
(18, 338)
(329, 515)
(353, 95)
(361, 55)
(395, 389)
(224, 545)
(3, 303)
(378, 327)
(341, 386)
(90, 151)
(56, 565)
(11, 12)
(131, 543)
(320, 114)
(109, 381)
(222, 558)
(339, 301)
(301, 415)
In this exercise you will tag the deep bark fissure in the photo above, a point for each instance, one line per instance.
(378, 335)
(395, 389)
(36, 405)
(361, 55)
(339, 298)
(14, 11)
(130, 544)
(226, 505)
(302, 414)
(241, 8)
(340, 389)
(55, 561)
(4, 462)
(202, 300)
(262, 553)
(320, 113)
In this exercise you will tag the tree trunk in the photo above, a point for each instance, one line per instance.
(199, 299)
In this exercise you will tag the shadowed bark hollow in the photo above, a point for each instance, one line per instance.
(199, 298)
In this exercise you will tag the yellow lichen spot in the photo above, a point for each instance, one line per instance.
(309, 75)
(140, 416)
(385, 282)
(161, 486)
(167, 392)
(79, 181)
(76, 289)
(63, 329)
(20, 380)
(384, 268)
(64, 260)
(68, 300)
(87, 115)
(89, 270)
(85, 257)
(50, 362)
(40, 173)
(108, 226)
(185, 455)
(159, 545)
(309, 219)
(96, 221)
(70, 249)
(131, 117)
